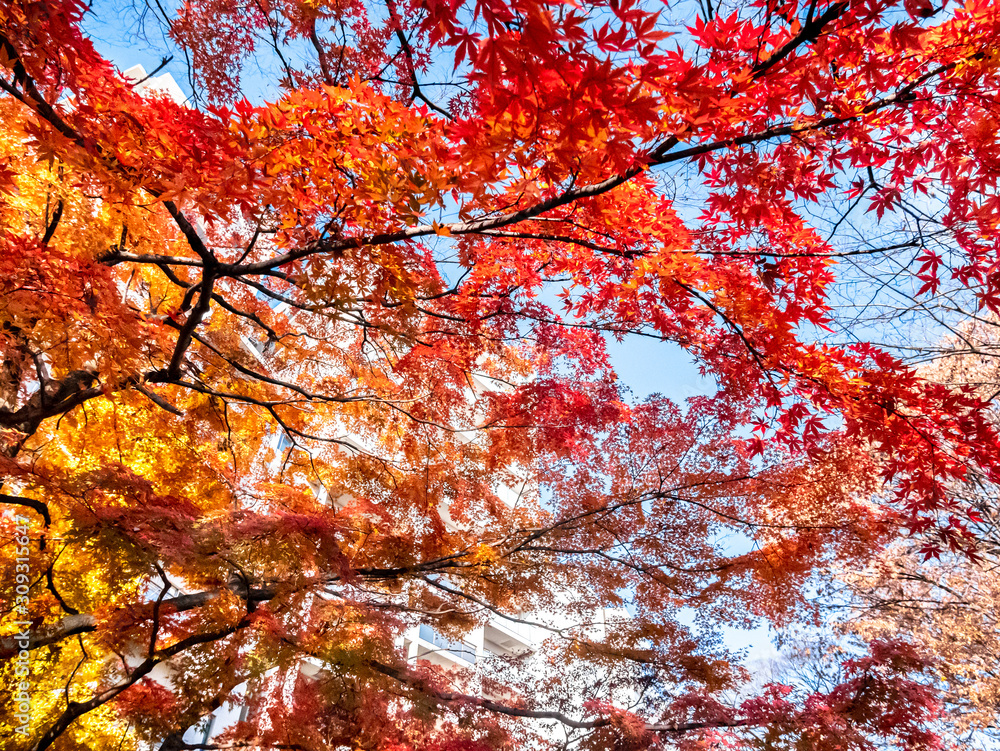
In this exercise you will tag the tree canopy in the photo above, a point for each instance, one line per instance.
(321, 355)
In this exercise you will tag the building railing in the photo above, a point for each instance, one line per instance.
(460, 649)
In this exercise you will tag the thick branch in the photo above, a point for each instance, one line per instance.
(187, 331)
(84, 623)
(808, 33)
(73, 390)
(658, 156)
(38, 506)
(450, 697)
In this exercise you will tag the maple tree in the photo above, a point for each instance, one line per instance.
(944, 605)
(945, 608)
(410, 284)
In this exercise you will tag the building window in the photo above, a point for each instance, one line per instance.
(460, 649)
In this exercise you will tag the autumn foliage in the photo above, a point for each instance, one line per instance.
(301, 364)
